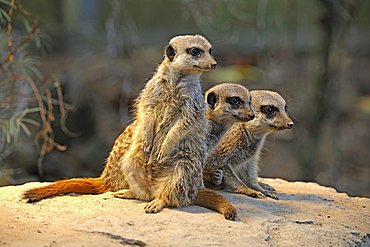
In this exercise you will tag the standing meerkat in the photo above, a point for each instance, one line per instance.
(168, 131)
(233, 165)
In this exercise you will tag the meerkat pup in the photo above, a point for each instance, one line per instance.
(227, 103)
(160, 156)
(234, 163)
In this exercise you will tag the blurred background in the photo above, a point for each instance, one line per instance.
(70, 69)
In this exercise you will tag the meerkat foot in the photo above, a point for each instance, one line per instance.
(267, 187)
(154, 206)
(250, 192)
(230, 213)
(217, 177)
(124, 194)
(270, 194)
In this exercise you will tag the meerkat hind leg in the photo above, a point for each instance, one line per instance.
(233, 184)
(124, 194)
(249, 176)
(155, 206)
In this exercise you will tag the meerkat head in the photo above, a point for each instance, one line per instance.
(230, 102)
(270, 110)
(190, 54)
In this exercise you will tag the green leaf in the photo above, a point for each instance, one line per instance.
(27, 25)
(25, 129)
(38, 42)
(31, 121)
(8, 138)
(7, 2)
(4, 16)
(31, 110)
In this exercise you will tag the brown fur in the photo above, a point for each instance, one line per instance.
(155, 164)
(79, 185)
(234, 163)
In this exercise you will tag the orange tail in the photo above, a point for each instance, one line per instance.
(212, 200)
(77, 185)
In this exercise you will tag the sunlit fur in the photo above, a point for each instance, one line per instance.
(160, 156)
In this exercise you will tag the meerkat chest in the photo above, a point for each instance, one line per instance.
(180, 102)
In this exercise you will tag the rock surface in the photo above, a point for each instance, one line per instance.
(307, 214)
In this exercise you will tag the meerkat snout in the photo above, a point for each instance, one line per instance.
(271, 110)
(290, 125)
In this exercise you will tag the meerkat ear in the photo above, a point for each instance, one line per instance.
(211, 100)
(170, 52)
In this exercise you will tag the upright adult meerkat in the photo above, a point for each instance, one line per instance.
(233, 165)
(168, 131)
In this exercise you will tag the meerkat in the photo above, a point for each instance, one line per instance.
(234, 163)
(162, 158)
(227, 103)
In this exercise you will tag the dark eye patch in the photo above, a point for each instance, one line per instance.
(269, 110)
(195, 51)
(234, 101)
(210, 51)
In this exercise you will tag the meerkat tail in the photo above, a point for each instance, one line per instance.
(212, 200)
(77, 185)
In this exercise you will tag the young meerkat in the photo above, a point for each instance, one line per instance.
(171, 102)
(233, 165)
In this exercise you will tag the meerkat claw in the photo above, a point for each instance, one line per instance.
(154, 206)
(267, 187)
(271, 195)
(124, 194)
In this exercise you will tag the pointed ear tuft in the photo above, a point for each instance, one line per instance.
(212, 100)
(170, 52)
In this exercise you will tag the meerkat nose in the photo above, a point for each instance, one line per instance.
(251, 116)
(213, 66)
(290, 125)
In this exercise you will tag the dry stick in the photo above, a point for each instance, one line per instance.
(47, 134)
(62, 109)
(34, 29)
(10, 55)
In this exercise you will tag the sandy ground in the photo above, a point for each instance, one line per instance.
(307, 214)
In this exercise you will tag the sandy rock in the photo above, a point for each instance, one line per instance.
(307, 214)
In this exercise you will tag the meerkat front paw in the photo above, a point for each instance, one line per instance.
(217, 176)
(154, 206)
(147, 148)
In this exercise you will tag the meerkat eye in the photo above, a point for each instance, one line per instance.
(268, 109)
(286, 108)
(234, 101)
(196, 52)
(210, 51)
